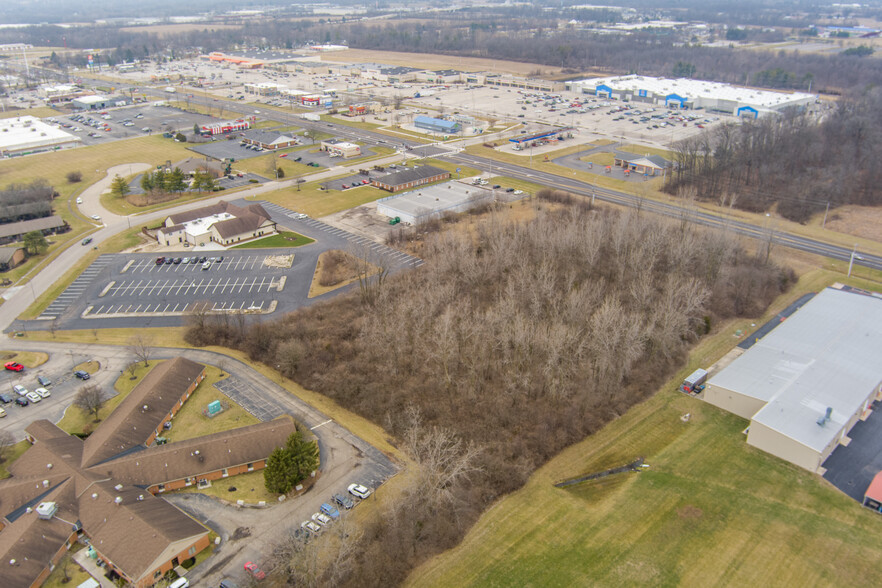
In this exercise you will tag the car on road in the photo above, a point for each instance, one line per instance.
(21, 401)
(43, 392)
(82, 375)
(20, 390)
(321, 519)
(344, 501)
(255, 571)
(298, 158)
(33, 397)
(79, 200)
(14, 366)
(359, 491)
(44, 381)
(87, 240)
(95, 217)
(300, 216)
(496, 186)
(6, 398)
(310, 526)
(330, 510)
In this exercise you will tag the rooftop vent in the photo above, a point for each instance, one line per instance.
(118, 500)
(94, 495)
(823, 420)
(46, 510)
(118, 487)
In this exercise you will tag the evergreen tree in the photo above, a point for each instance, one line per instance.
(147, 183)
(305, 455)
(119, 187)
(277, 473)
(175, 181)
(35, 242)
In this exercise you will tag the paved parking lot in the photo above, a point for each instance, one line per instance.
(851, 469)
(157, 118)
(246, 395)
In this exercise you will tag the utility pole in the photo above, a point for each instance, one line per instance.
(854, 256)
(824, 224)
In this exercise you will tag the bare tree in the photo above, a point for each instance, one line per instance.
(372, 270)
(140, 347)
(90, 399)
(7, 440)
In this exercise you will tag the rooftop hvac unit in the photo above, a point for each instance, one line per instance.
(826, 417)
(46, 510)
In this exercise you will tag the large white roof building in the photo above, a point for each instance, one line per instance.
(805, 384)
(687, 93)
(28, 134)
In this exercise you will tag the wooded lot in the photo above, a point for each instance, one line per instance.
(508, 345)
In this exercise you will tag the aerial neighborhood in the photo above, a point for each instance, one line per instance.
(457, 294)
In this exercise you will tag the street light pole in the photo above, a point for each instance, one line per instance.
(854, 256)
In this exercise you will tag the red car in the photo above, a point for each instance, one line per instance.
(255, 571)
(14, 367)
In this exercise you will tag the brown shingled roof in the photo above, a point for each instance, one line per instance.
(191, 215)
(175, 461)
(143, 410)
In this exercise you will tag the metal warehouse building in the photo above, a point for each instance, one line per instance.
(686, 93)
(805, 384)
(436, 125)
(430, 202)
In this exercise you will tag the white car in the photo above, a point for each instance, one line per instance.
(33, 397)
(301, 216)
(310, 526)
(322, 519)
(2, 413)
(359, 491)
(96, 217)
(20, 390)
(43, 392)
(79, 200)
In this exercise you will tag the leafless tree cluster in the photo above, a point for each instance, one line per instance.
(26, 201)
(791, 161)
(512, 342)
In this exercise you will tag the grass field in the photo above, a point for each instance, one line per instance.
(710, 510)
(283, 239)
(318, 203)
(39, 112)
(190, 423)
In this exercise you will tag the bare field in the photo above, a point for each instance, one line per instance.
(860, 221)
(433, 61)
(165, 30)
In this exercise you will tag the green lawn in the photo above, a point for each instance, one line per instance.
(708, 511)
(283, 239)
(190, 422)
(318, 203)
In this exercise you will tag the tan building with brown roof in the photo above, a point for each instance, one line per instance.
(223, 223)
(103, 487)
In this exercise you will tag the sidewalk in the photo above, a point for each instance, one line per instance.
(88, 564)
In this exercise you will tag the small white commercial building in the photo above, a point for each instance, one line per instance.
(426, 203)
(688, 93)
(805, 384)
(27, 134)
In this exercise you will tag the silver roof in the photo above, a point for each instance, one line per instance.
(827, 354)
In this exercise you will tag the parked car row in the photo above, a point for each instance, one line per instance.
(329, 511)
(205, 261)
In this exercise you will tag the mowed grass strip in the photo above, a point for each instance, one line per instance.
(318, 203)
(282, 239)
(710, 510)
